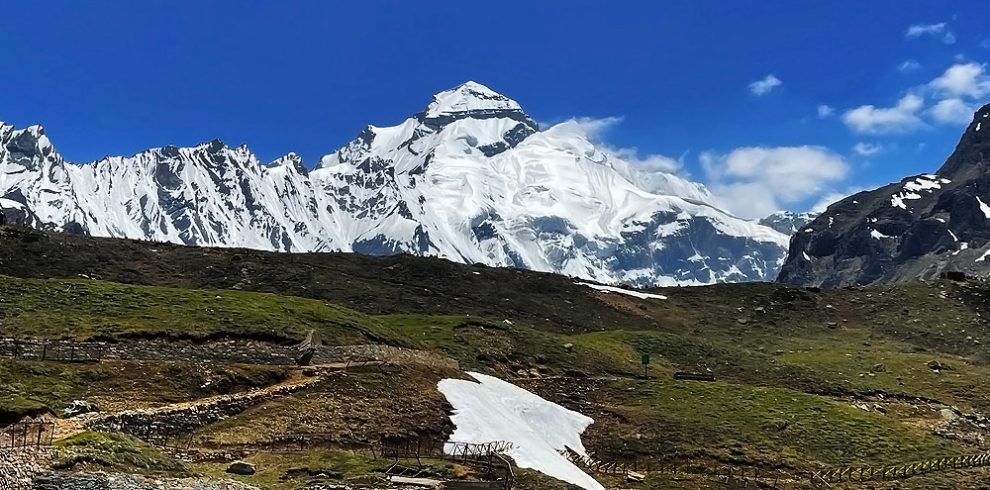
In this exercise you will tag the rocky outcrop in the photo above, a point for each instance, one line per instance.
(15, 212)
(920, 227)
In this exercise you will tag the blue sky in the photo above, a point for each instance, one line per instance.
(672, 79)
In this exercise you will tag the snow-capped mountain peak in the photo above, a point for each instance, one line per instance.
(469, 97)
(470, 178)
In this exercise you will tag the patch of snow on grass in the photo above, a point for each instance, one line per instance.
(493, 410)
(627, 292)
(984, 256)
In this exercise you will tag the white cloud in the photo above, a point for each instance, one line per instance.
(755, 181)
(953, 96)
(940, 29)
(867, 149)
(652, 172)
(985, 44)
(826, 201)
(825, 111)
(765, 86)
(967, 79)
(650, 162)
(592, 128)
(871, 119)
(952, 111)
(919, 30)
(833, 197)
(908, 65)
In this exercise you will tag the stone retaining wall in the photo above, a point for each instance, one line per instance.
(226, 350)
(19, 467)
(120, 481)
(159, 425)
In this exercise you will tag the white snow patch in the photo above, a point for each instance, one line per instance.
(962, 246)
(983, 207)
(897, 200)
(954, 237)
(806, 257)
(10, 204)
(879, 236)
(627, 292)
(494, 410)
(984, 256)
(922, 184)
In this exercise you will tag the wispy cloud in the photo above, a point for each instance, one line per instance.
(908, 66)
(825, 111)
(765, 86)
(650, 171)
(937, 30)
(867, 149)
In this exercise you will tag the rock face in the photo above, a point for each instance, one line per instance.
(471, 178)
(14, 211)
(916, 228)
(787, 222)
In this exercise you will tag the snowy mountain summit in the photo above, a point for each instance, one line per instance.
(471, 178)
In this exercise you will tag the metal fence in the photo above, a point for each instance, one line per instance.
(24, 435)
(52, 350)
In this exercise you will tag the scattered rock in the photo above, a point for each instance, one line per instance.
(742, 321)
(938, 366)
(79, 407)
(633, 476)
(879, 368)
(241, 468)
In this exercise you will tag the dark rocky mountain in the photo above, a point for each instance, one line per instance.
(919, 227)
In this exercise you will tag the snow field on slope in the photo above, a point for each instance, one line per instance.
(490, 409)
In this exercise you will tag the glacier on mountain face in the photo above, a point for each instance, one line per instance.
(471, 178)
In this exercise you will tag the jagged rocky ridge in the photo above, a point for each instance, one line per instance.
(471, 178)
(916, 228)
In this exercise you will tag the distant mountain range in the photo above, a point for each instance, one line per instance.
(471, 178)
(919, 227)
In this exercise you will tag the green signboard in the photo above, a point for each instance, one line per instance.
(646, 359)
